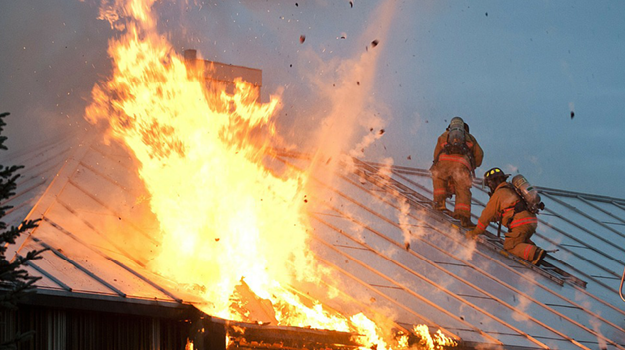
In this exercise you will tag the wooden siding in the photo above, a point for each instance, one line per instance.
(62, 329)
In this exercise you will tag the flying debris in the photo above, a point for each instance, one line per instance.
(302, 38)
(381, 131)
(351, 4)
(375, 43)
(572, 114)
(296, 4)
(486, 14)
(409, 157)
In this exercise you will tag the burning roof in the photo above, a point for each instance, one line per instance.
(480, 296)
(190, 202)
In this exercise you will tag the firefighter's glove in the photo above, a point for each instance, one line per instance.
(472, 234)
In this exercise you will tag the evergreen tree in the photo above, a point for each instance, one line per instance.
(14, 279)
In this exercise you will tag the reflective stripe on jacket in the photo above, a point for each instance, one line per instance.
(471, 142)
(523, 221)
(455, 158)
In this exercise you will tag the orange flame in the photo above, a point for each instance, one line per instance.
(214, 200)
(226, 220)
(437, 342)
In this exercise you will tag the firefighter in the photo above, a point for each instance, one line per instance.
(506, 205)
(456, 156)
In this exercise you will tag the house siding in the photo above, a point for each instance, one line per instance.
(66, 329)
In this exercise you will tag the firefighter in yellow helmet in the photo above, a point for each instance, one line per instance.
(456, 156)
(506, 205)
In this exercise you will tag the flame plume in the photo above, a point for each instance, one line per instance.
(228, 224)
(223, 216)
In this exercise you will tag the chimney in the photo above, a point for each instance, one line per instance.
(190, 55)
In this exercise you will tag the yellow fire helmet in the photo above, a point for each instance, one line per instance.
(492, 174)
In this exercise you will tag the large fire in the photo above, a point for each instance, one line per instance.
(226, 221)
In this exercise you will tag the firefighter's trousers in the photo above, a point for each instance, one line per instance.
(518, 241)
(442, 174)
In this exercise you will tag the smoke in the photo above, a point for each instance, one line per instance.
(351, 111)
(403, 212)
(596, 324)
(337, 132)
(521, 310)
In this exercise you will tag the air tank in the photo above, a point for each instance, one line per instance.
(456, 131)
(528, 192)
(456, 123)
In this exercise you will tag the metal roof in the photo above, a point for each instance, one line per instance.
(362, 220)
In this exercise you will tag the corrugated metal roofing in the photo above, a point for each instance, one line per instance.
(91, 192)
(362, 219)
(41, 163)
(535, 306)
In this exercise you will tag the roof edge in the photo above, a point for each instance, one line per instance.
(110, 304)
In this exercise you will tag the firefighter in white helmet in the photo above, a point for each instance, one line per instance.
(456, 156)
(506, 204)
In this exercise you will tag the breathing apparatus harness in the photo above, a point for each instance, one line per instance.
(517, 207)
(529, 200)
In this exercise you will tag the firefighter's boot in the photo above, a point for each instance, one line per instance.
(439, 205)
(466, 222)
(539, 256)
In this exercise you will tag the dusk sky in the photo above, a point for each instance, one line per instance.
(515, 72)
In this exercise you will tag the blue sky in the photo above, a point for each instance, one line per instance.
(513, 72)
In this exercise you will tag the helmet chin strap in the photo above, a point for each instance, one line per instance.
(494, 183)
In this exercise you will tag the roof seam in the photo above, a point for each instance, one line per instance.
(588, 329)
(80, 267)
